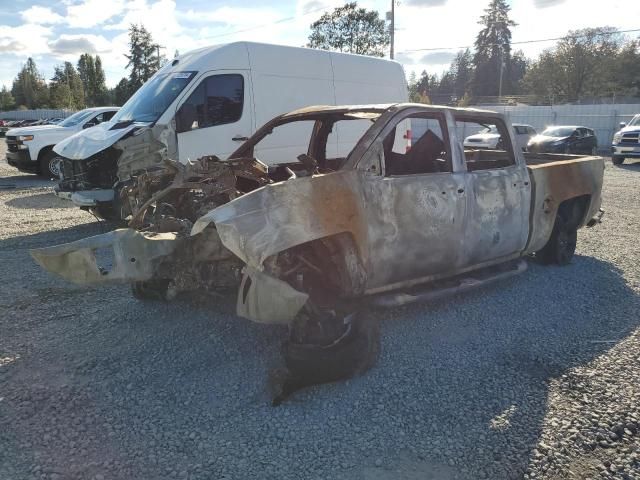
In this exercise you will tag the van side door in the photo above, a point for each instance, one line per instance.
(216, 117)
(498, 194)
(414, 202)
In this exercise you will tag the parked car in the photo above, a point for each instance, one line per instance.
(565, 139)
(30, 149)
(626, 142)
(305, 242)
(488, 137)
(209, 101)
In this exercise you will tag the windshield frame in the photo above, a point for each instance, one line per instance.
(141, 95)
(546, 132)
(635, 121)
(76, 118)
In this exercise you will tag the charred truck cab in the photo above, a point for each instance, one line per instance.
(307, 242)
(208, 102)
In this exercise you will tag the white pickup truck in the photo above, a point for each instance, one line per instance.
(30, 149)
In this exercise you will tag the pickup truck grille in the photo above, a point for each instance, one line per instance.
(630, 137)
(12, 144)
(98, 171)
(474, 140)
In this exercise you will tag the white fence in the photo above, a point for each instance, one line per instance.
(604, 119)
(35, 114)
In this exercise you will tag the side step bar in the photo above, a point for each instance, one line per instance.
(459, 284)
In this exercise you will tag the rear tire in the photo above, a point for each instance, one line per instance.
(561, 245)
(617, 160)
(50, 165)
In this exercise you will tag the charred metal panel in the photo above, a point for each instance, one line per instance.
(277, 217)
(553, 183)
(128, 256)
(498, 211)
(265, 299)
(415, 225)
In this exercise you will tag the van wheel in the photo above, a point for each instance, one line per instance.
(617, 160)
(561, 245)
(50, 165)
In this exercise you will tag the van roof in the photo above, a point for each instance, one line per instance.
(236, 55)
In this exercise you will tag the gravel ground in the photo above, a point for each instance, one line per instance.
(537, 377)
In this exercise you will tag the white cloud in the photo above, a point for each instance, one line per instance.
(89, 13)
(78, 44)
(41, 16)
(27, 39)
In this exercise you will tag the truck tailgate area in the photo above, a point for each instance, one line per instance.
(554, 179)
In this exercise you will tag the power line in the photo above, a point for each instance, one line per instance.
(282, 20)
(521, 42)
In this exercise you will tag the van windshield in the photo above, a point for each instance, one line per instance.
(76, 118)
(154, 97)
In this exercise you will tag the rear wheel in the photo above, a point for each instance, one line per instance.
(50, 165)
(617, 160)
(561, 245)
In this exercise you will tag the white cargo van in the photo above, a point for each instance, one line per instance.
(207, 102)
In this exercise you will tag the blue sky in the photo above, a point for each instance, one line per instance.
(55, 31)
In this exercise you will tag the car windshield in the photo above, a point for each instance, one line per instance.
(558, 132)
(76, 118)
(634, 121)
(154, 97)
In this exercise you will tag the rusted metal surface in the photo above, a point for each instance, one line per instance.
(556, 182)
(322, 233)
(128, 256)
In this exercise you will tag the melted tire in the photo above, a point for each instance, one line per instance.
(150, 290)
(351, 354)
(561, 246)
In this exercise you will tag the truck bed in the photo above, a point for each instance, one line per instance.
(554, 179)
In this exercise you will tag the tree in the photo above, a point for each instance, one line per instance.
(143, 56)
(492, 59)
(29, 88)
(351, 29)
(66, 87)
(7, 102)
(584, 63)
(122, 92)
(93, 79)
(462, 70)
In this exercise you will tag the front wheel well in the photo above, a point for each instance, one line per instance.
(44, 150)
(327, 266)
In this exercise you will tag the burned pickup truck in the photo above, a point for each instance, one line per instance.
(305, 243)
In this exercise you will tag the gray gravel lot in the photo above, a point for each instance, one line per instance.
(536, 377)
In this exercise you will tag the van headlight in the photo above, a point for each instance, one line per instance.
(617, 137)
(25, 138)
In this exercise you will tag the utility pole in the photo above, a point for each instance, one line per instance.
(501, 72)
(391, 17)
(393, 26)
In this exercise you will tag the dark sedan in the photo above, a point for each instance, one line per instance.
(573, 140)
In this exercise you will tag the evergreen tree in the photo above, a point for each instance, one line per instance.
(122, 92)
(492, 59)
(93, 79)
(143, 56)
(66, 88)
(7, 102)
(29, 88)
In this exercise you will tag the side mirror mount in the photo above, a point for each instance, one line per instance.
(622, 124)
